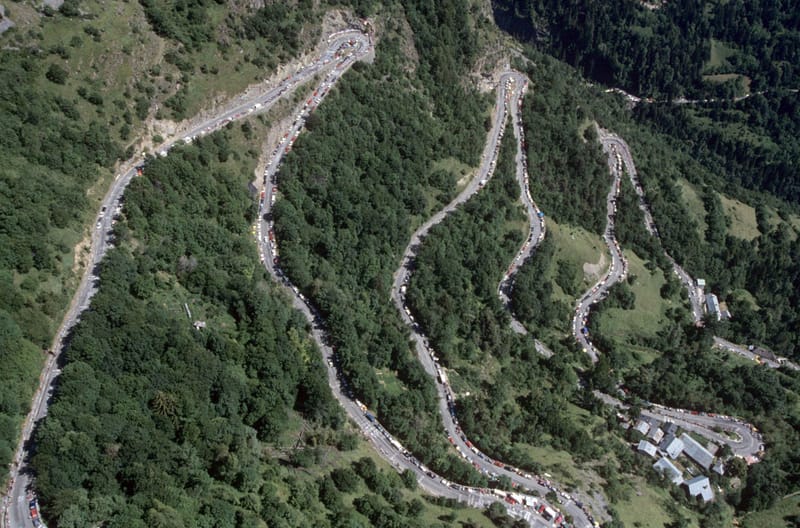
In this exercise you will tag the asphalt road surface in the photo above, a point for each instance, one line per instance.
(510, 92)
(619, 266)
(536, 226)
(623, 153)
(743, 439)
(342, 49)
(519, 504)
(745, 352)
(694, 292)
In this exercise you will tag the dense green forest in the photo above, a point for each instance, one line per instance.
(155, 423)
(687, 373)
(750, 143)
(50, 157)
(766, 266)
(753, 143)
(149, 414)
(664, 51)
(349, 202)
(453, 291)
(765, 37)
(726, 146)
(557, 151)
(69, 113)
(655, 52)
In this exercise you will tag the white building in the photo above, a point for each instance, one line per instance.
(647, 448)
(712, 305)
(672, 446)
(669, 470)
(701, 486)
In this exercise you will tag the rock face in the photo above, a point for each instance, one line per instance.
(55, 4)
(5, 22)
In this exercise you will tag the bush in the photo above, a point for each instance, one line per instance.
(56, 74)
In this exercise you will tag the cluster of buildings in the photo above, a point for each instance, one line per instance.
(661, 442)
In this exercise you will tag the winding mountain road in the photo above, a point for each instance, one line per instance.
(695, 293)
(339, 53)
(343, 50)
(518, 503)
(511, 89)
(536, 227)
(746, 441)
(618, 269)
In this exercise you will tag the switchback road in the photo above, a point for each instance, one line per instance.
(618, 269)
(536, 227)
(694, 292)
(510, 92)
(518, 503)
(743, 439)
(336, 57)
(746, 441)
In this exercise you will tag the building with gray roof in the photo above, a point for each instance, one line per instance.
(671, 428)
(672, 446)
(712, 305)
(647, 448)
(655, 435)
(701, 486)
(669, 470)
(694, 450)
(642, 426)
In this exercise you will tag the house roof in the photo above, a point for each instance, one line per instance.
(655, 434)
(669, 470)
(642, 427)
(672, 446)
(700, 485)
(646, 447)
(696, 452)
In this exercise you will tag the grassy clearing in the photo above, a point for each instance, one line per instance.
(452, 166)
(174, 300)
(389, 381)
(720, 53)
(694, 205)
(742, 218)
(467, 376)
(721, 77)
(230, 75)
(744, 80)
(646, 319)
(647, 507)
(746, 296)
(433, 514)
(575, 244)
(575, 247)
(739, 131)
(794, 221)
(580, 475)
(560, 465)
(775, 219)
(110, 63)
